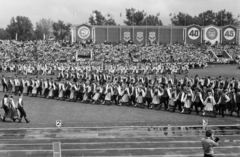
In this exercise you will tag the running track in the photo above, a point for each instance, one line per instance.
(144, 141)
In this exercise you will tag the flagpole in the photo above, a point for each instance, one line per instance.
(203, 19)
(221, 18)
(171, 33)
(146, 30)
(132, 17)
(185, 20)
(120, 19)
(171, 30)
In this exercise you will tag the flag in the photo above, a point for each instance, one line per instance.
(108, 16)
(120, 14)
(16, 36)
(158, 14)
(170, 14)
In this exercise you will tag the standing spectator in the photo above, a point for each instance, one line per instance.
(208, 143)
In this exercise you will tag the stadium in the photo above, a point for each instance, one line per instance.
(138, 88)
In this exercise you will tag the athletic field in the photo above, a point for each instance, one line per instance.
(100, 130)
(44, 112)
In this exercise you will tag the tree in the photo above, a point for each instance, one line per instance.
(182, 19)
(220, 18)
(61, 30)
(152, 20)
(208, 17)
(224, 18)
(133, 17)
(203, 19)
(21, 26)
(109, 20)
(96, 18)
(44, 27)
(236, 23)
(4, 34)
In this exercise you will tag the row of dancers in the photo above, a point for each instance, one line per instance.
(203, 94)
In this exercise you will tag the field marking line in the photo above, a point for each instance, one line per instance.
(97, 143)
(112, 127)
(179, 155)
(31, 144)
(160, 148)
(108, 149)
(117, 131)
(113, 137)
(43, 150)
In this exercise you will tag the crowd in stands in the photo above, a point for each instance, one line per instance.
(34, 56)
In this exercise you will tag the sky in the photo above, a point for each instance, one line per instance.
(64, 9)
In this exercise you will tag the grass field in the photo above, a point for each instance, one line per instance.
(44, 112)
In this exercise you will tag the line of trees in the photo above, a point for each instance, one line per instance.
(209, 17)
(140, 18)
(22, 28)
(133, 17)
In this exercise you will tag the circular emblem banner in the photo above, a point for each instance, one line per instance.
(83, 32)
(212, 33)
(229, 34)
(193, 33)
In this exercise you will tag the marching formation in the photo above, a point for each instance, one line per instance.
(69, 68)
(205, 95)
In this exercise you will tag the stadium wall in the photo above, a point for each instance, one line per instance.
(192, 34)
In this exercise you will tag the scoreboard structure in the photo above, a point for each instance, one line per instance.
(156, 34)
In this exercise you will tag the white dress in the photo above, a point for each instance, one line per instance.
(209, 103)
(109, 93)
(125, 98)
(188, 101)
(34, 90)
(97, 94)
(72, 92)
(50, 91)
(140, 99)
(85, 97)
(156, 100)
(61, 88)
